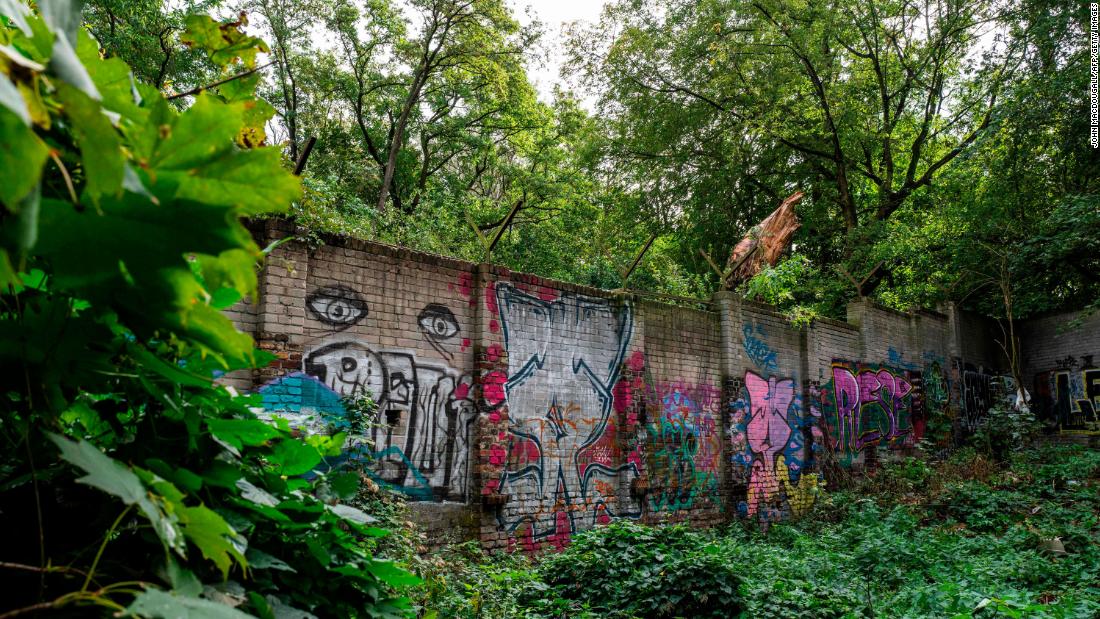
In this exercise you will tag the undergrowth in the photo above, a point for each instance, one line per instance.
(960, 538)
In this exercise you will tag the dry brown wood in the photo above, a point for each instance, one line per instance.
(765, 243)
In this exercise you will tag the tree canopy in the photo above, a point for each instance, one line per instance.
(942, 145)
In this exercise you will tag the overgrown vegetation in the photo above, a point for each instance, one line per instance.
(130, 483)
(929, 138)
(960, 538)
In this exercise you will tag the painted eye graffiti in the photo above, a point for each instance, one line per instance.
(337, 306)
(437, 323)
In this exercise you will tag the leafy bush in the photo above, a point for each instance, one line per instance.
(131, 482)
(966, 545)
(1004, 430)
(634, 570)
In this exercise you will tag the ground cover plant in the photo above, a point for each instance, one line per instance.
(959, 538)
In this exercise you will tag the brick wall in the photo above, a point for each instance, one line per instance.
(680, 411)
(1061, 367)
(520, 410)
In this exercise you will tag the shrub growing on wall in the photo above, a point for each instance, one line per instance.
(128, 479)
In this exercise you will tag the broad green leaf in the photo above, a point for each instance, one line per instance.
(234, 269)
(113, 478)
(66, 65)
(198, 136)
(20, 231)
(184, 582)
(256, 114)
(241, 432)
(213, 536)
(22, 156)
(225, 298)
(223, 41)
(39, 45)
(328, 445)
(112, 78)
(63, 16)
(80, 413)
(100, 146)
(293, 457)
(344, 485)
(252, 181)
(393, 574)
(16, 11)
(18, 59)
(103, 472)
(158, 604)
(144, 138)
(282, 610)
(176, 474)
(171, 371)
(142, 273)
(352, 514)
(240, 89)
(255, 494)
(259, 560)
(8, 276)
(222, 474)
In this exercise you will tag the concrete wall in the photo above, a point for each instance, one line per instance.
(520, 410)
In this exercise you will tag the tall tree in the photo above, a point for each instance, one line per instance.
(862, 103)
(145, 33)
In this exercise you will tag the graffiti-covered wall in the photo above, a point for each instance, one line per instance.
(1061, 356)
(369, 360)
(520, 410)
(680, 411)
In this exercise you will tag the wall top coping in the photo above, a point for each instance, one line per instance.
(275, 228)
(708, 314)
(872, 304)
(833, 322)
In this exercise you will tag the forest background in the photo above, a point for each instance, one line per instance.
(943, 146)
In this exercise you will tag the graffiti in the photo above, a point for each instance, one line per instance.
(767, 432)
(437, 324)
(775, 442)
(980, 392)
(935, 389)
(561, 461)
(874, 405)
(337, 306)
(307, 403)
(1069, 398)
(757, 349)
(683, 447)
(419, 441)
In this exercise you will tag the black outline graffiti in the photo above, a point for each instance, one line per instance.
(560, 487)
(419, 401)
(429, 321)
(349, 308)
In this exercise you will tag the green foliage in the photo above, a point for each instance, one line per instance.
(1005, 429)
(961, 547)
(362, 413)
(629, 570)
(145, 34)
(121, 241)
(786, 286)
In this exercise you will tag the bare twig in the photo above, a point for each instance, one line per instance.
(65, 175)
(196, 90)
